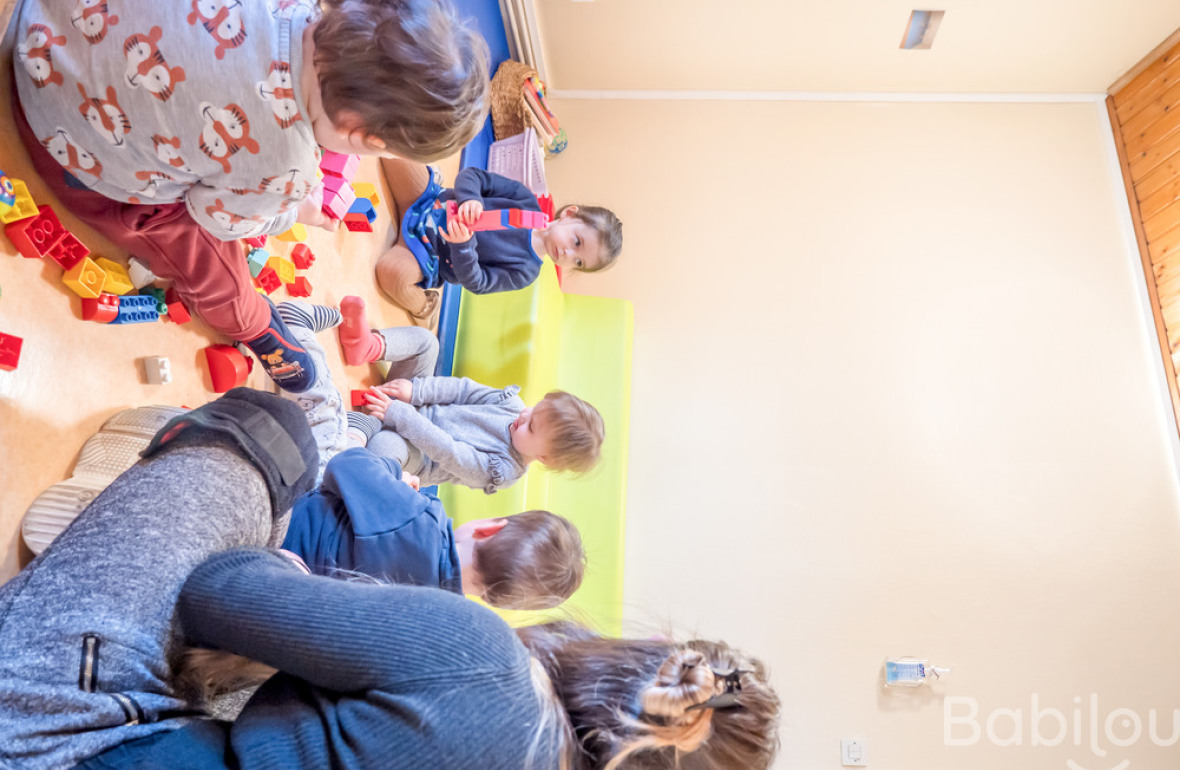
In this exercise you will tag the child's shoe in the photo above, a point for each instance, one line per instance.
(290, 366)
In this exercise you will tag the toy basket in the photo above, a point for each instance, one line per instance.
(518, 104)
(508, 109)
(519, 157)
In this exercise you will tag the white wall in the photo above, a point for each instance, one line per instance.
(894, 394)
(847, 45)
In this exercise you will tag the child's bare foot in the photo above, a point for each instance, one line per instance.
(360, 344)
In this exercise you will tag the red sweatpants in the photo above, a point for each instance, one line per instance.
(210, 275)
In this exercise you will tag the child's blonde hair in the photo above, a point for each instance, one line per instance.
(414, 72)
(535, 562)
(610, 234)
(575, 429)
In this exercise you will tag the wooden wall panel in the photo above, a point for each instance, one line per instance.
(1145, 114)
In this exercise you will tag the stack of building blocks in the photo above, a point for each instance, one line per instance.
(9, 351)
(501, 219)
(228, 368)
(338, 170)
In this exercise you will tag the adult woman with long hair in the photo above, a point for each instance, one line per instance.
(369, 676)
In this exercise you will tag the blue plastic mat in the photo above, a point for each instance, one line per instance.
(490, 24)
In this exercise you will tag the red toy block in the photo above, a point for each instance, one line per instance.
(103, 308)
(34, 236)
(9, 351)
(357, 222)
(268, 279)
(228, 368)
(339, 165)
(177, 312)
(358, 397)
(302, 257)
(68, 252)
(501, 219)
(257, 242)
(300, 288)
(527, 220)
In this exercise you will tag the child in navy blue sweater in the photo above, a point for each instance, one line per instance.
(369, 517)
(586, 238)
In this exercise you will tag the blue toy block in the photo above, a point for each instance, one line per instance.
(257, 259)
(364, 206)
(136, 309)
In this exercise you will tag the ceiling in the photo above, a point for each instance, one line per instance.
(1030, 46)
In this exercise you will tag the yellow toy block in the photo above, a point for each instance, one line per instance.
(118, 281)
(284, 269)
(367, 190)
(85, 278)
(297, 234)
(24, 206)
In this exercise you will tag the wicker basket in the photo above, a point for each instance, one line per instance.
(509, 113)
(519, 157)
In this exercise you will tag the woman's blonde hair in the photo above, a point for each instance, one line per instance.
(575, 429)
(414, 72)
(630, 702)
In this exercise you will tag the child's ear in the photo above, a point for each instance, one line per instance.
(568, 211)
(488, 528)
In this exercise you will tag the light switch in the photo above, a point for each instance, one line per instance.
(852, 752)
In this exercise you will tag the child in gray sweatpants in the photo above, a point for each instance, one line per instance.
(87, 631)
(410, 351)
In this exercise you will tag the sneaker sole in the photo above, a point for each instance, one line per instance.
(104, 456)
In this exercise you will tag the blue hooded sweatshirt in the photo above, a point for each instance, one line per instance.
(364, 518)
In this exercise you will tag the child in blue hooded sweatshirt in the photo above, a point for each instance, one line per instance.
(367, 517)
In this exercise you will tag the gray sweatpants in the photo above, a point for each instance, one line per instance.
(87, 634)
(411, 352)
